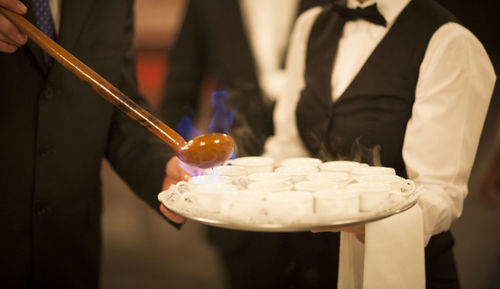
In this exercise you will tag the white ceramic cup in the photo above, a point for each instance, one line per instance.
(270, 186)
(339, 166)
(312, 186)
(255, 164)
(209, 179)
(229, 171)
(290, 206)
(196, 182)
(245, 206)
(208, 197)
(237, 174)
(297, 173)
(342, 179)
(366, 171)
(204, 191)
(336, 201)
(267, 177)
(301, 162)
(397, 183)
(371, 195)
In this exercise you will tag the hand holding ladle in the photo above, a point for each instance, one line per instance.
(203, 151)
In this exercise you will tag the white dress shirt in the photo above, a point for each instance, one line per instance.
(268, 24)
(55, 10)
(453, 92)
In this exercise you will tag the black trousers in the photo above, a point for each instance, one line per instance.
(440, 266)
(309, 260)
(278, 260)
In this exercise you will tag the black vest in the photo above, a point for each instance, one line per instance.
(368, 122)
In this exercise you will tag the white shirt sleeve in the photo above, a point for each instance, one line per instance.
(286, 141)
(453, 92)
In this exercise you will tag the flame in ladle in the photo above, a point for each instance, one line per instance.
(220, 122)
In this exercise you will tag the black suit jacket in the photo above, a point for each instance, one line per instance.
(55, 131)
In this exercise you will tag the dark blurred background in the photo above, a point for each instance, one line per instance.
(142, 251)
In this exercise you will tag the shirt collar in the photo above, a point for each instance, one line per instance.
(390, 9)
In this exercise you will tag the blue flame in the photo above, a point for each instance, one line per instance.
(221, 121)
(186, 128)
(222, 118)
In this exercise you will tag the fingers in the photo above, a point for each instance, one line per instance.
(15, 38)
(6, 47)
(171, 216)
(325, 230)
(175, 171)
(360, 237)
(14, 5)
(357, 229)
(167, 182)
(9, 32)
(10, 37)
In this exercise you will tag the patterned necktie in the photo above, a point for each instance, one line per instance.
(314, 109)
(44, 22)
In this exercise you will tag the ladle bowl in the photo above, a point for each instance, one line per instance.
(204, 151)
(207, 150)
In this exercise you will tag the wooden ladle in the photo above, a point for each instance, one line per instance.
(204, 151)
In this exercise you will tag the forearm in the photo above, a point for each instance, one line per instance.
(452, 96)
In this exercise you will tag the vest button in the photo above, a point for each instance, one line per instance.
(41, 209)
(44, 150)
(49, 93)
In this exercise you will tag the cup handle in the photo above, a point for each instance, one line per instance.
(181, 187)
(242, 182)
(407, 186)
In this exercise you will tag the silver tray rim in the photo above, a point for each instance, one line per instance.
(364, 218)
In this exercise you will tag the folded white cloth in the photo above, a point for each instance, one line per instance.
(392, 256)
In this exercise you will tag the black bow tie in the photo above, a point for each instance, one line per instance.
(369, 13)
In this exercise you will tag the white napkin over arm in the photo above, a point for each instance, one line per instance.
(392, 256)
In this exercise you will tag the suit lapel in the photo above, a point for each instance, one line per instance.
(73, 17)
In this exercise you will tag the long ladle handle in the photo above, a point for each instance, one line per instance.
(98, 83)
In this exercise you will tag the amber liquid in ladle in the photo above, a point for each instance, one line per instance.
(204, 151)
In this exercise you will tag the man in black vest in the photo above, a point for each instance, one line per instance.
(403, 78)
(55, 131)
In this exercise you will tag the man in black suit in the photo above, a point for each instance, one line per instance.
(56, 131)
(215, 43)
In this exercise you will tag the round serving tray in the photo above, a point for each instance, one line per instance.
(171, 200)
